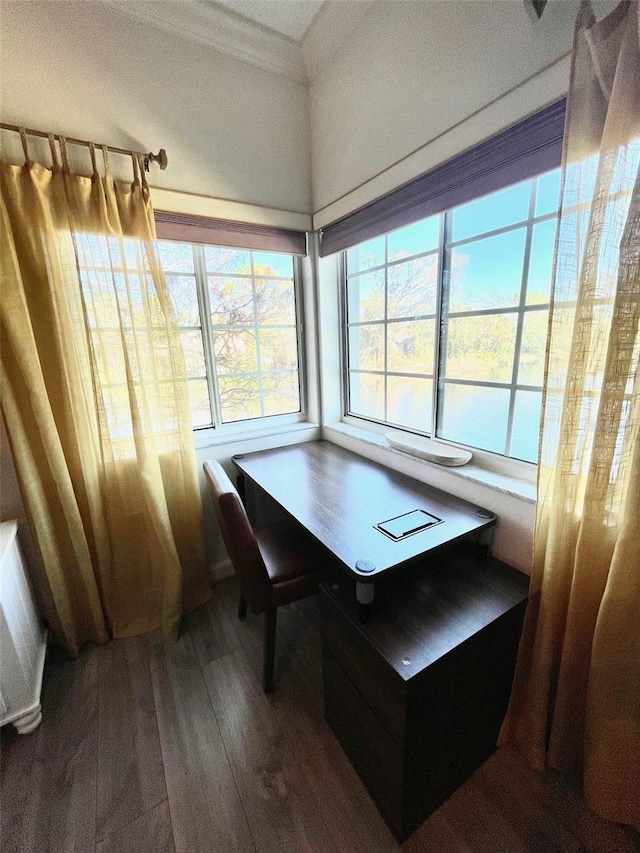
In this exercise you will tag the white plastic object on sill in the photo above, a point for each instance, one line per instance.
(426, 448)
(22, 639)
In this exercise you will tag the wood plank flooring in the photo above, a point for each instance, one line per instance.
(130, 772)
(147, 748)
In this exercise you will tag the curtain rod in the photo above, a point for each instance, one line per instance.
(160, 158)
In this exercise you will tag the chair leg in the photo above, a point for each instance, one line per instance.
(269, 650)
(242, 606)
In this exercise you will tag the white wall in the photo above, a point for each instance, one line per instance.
(230, 129)
(411, 71)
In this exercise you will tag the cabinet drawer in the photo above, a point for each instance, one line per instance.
(379, 685)
(371, 750)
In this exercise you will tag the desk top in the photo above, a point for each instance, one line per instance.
(339, 497)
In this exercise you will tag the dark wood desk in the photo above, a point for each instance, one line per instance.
(339, 497)
(415, 696)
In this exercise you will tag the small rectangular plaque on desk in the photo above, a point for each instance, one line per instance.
(407, 524)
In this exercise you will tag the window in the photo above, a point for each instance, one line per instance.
(446, 320)
(238, 314)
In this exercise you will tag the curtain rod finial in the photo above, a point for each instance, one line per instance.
(160, 158)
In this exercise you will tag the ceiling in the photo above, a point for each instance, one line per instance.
(291, 18)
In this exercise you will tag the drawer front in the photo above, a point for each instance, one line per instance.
(379, 685)
(371, 750)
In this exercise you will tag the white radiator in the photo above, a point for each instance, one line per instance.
(22, 638)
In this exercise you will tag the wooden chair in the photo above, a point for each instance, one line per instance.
(277, 564)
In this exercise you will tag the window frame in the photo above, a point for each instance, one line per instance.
(217, 428)
(493, 460)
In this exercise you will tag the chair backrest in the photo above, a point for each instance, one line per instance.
(239, 538)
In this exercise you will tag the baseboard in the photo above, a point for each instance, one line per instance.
(221, 570)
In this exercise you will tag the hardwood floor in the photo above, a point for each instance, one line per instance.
(147, 748)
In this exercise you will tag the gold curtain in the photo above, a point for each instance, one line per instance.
(94, 395)
(576, 698)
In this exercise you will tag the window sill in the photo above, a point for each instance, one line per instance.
(504, 483)
(216, 439)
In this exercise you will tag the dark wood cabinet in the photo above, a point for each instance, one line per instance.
(417, 695)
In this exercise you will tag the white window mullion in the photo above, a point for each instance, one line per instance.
(202, 289)
(435, 391)
(256, 329)
(444, 286)
(521, 313)
(385, 380)
(301, 342)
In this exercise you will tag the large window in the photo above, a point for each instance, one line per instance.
(239, 318)
(446, 321)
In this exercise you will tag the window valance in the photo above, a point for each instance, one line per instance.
(220, 232)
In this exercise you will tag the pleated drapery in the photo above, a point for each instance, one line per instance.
(95, 399)
(575, 704)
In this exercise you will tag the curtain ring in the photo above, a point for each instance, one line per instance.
(105, 157)
(23, 139)
(92, 153)
(63, 151)
(143, 170)
(54, 153)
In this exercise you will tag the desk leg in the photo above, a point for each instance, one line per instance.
(484, 542)
(240, 486)
(365, 593)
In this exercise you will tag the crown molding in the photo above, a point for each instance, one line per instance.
(221, 30)
(331, 27)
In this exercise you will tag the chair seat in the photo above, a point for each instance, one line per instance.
(295, 563)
